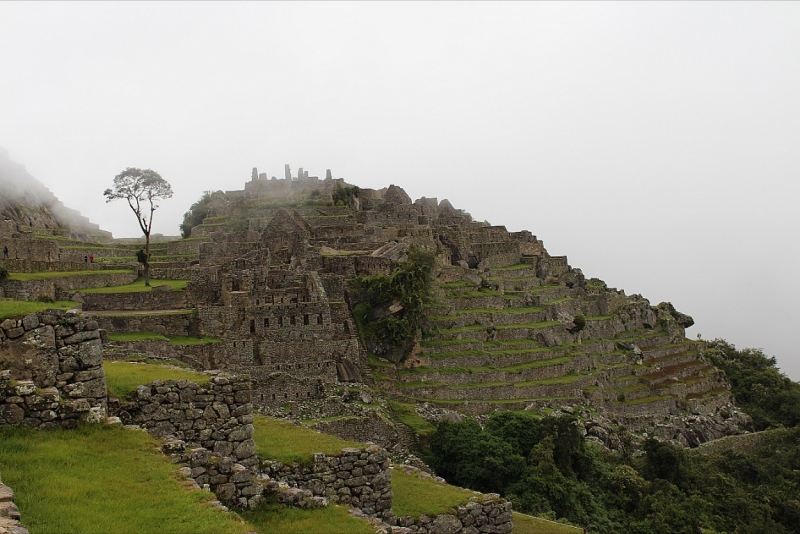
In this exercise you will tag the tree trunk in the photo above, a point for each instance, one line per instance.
(147, 259)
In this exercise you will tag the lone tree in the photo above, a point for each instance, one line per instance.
(141, 188)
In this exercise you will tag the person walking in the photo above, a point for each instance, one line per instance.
(5, 252)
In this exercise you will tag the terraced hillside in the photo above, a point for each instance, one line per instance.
(265, 282)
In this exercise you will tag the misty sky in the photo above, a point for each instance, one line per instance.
(657, 144)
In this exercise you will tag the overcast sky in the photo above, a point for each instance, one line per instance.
(656, 144)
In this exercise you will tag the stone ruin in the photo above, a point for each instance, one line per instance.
(269, 272)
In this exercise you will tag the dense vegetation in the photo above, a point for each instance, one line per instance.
(761, 390)
(196, 214)
(405, 289)
(547, 468)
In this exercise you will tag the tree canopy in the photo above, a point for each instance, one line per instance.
(141, 188)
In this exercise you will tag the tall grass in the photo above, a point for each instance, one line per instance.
(104, 480)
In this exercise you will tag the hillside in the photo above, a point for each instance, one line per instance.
(375, 318)
(31, 207)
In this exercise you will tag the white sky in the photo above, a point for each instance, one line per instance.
(657, 144)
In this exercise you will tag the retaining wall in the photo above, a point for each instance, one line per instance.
(216, 420)
(359, 478)
(52, 370)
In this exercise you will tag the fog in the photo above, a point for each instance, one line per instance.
(653, 143)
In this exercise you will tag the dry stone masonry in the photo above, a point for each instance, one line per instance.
(359, 478)
(216, 425)
(52, 370)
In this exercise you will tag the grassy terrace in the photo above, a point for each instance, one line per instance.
(645, 400)
(416, 494)
(152, 336)
(18, 308)
(138, 287)
(566, 379)
(27, 277)
(495, 311)
(104, 480)
(431, 343)
(477, 327)
(123, 378)
(515, 267)
(409, 416)
(286, 442)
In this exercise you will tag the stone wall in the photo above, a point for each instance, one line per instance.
(154, 300)
(365, 428)
(62, 287)
(215, 419)
(172, 324)
(487, 513)
(9, 512)
(52, 370)
(360, 478)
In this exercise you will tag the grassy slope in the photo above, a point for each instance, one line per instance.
(287, 442)
(18, 308)
(105, 480)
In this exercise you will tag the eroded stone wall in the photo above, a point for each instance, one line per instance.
(215, 420)
(52, 370)
(360, 478)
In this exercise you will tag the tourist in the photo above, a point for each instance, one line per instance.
(5, 252)
(91, 258)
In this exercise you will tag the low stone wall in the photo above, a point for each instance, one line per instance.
(201, 357)
(487, 514)
(36, 266)
(364, 428)
(9, 513)
(179, 272)
(62, 287)
(52, 370)
(152, 300)
(359, 478)
(215, 418)
(172, 324)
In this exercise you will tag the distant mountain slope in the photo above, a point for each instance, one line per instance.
(29, 204)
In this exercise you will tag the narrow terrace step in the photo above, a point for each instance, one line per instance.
(494, 359)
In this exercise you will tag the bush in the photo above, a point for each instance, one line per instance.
(3, 274)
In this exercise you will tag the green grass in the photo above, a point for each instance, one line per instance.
(270, 517)
(566, 379)
(18, 308)
(136, 336)
(105, 480)
(152, 336)
(192, 340)
(123, 378)
(138, 286)
(27, 277)
(415, 495)
(526, 524)
(287, 442)
(409, 416)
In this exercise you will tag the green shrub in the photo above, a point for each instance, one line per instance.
(3, 274)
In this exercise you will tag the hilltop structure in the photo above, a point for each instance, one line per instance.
(506, 325)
